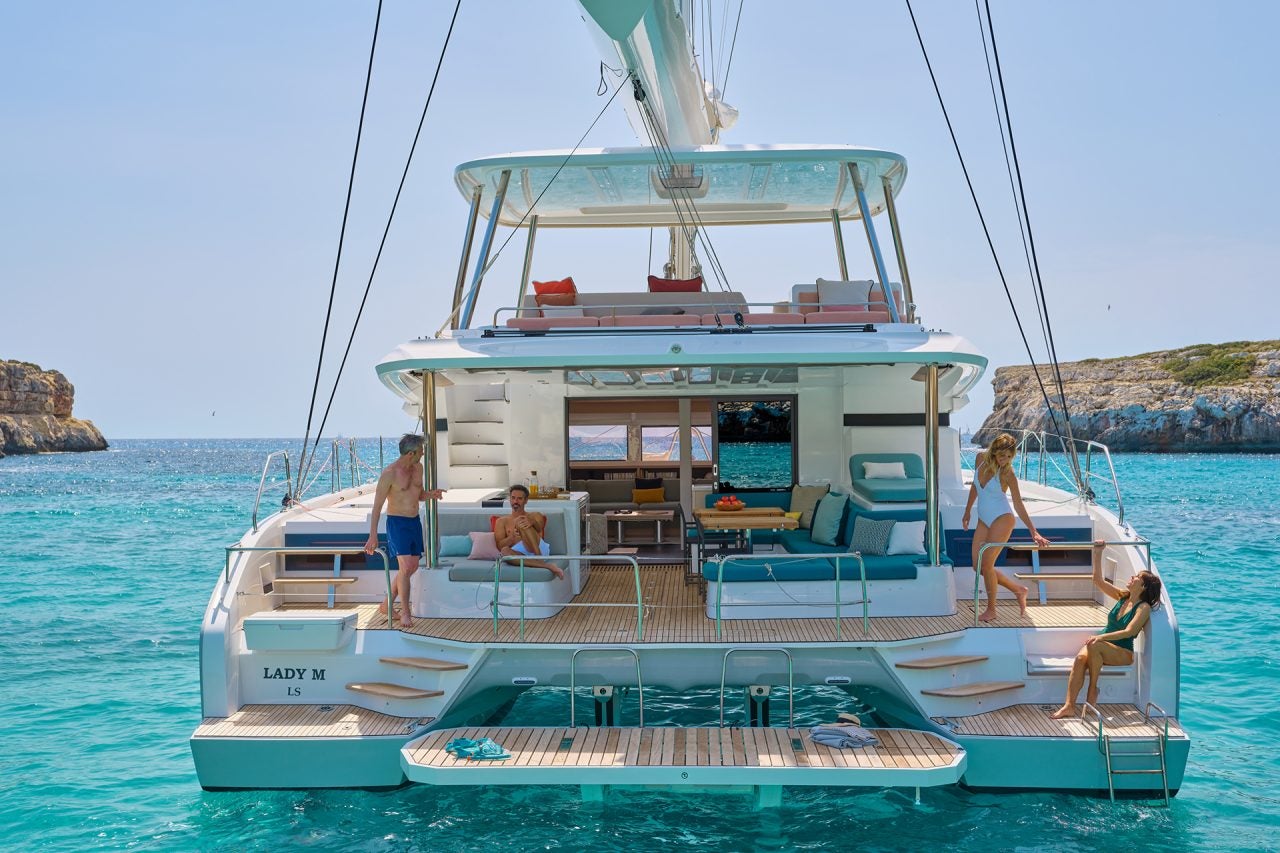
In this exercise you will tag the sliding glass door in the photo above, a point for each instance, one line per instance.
(754, 443)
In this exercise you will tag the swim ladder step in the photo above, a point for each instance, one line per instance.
(316, 581)
(393, 691)
(977, 688)
(940, 661)
(425, 663)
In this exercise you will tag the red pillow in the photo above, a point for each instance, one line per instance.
(560, 300)
(564, 285)
(675, 285)
(493, 524)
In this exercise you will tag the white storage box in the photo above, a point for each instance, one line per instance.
(299, 630)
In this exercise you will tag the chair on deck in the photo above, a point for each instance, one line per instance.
(710, 545)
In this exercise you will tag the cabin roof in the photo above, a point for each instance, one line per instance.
(639, 187)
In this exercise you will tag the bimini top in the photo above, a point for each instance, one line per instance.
(727, 184)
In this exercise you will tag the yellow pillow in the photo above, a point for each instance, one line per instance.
(795, 515)
(648, 496)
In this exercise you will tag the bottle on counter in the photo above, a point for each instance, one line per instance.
(533, 484)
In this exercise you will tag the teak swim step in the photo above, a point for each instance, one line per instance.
(977, 688)
(940, 661)
(393, 691)
(425, 663)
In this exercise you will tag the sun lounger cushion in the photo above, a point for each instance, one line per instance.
(481, 573)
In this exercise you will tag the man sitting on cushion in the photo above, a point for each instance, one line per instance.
(520, 534)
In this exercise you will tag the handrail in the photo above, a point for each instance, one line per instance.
(862, 574)
(386, 562)
(1146, 712)
(1041, 438)
(1087, 707)
(1031, 546)
(791, 687)
(573, 661)
(595, 558)
(262, 482)
(716, 307)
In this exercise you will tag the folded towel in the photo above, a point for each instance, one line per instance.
(477, 750)
(842, 736)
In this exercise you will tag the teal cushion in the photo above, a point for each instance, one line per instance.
(455, 546)
(871, 536)
(826, 519)
(770, 568)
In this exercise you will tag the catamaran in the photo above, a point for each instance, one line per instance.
(798, 528)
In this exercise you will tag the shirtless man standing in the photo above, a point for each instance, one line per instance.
(520, 534)
(400, 488)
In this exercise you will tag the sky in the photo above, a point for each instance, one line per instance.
(172, 178)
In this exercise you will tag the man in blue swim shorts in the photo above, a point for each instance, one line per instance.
(520, 534)
(400, 488)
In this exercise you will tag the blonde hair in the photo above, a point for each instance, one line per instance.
(1002, 442)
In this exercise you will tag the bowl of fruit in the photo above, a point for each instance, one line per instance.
(729, 503)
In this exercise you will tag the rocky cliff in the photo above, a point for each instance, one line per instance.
(35, 412)
(1206, 398)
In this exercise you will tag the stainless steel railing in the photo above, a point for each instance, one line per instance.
(1030, 546)
(768, 560)
(262, 482)
(570, 558)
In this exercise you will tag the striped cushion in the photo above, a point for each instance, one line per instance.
(871, 536)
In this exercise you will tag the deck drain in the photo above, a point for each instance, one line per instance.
(566, 742)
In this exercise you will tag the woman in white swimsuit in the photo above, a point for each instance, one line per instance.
(993, 476)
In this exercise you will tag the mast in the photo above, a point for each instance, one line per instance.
(651, 40)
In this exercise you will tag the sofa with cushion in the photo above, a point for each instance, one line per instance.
(798, 580)
(622, 493)
(887, 477)
(462, 587)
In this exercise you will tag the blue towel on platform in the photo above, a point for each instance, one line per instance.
(842, 736)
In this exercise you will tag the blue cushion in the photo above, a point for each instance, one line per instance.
(891, 491)
(772, 568)
(455, 546)
(799, 542)
(827, 518)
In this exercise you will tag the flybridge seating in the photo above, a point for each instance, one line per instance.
(824, 303)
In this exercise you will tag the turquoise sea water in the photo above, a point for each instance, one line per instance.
(107, 561)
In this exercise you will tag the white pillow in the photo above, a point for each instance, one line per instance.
(884, 471)
(907, 537)
(851, 293)
(567, 311)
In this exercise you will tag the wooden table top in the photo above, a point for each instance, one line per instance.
(746, 510)
(640, 514)
(743, 520)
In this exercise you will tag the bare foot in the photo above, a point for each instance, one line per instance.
(1022, 600)
(406, 621)
(988, 615)
(1064, 712)
(382, 607)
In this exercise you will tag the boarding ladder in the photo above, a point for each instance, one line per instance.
(751, 694)
(573, 681)
(1123, 749)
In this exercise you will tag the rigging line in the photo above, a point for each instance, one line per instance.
(732, 45)
(699, 233)
(342, 233)
(404, 175)
(666, 159)
(982, 219)
(1008, 167)
(516, 229)
(1035, 260)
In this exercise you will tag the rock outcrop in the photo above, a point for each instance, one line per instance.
(35, 412)
(1218, 398)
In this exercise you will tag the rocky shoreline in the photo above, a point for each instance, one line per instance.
(1209, 398)
(35, 413)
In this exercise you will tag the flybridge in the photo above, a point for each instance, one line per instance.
(729, 184)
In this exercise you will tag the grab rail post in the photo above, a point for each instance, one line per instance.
(791, 687)
(569, 558)
(262, 482)
(573, 661)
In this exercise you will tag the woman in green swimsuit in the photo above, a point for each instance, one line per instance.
(1114, 646)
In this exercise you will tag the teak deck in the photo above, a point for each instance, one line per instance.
(675, 613)
(303, 721)
(1120, 720)
(741, 756)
